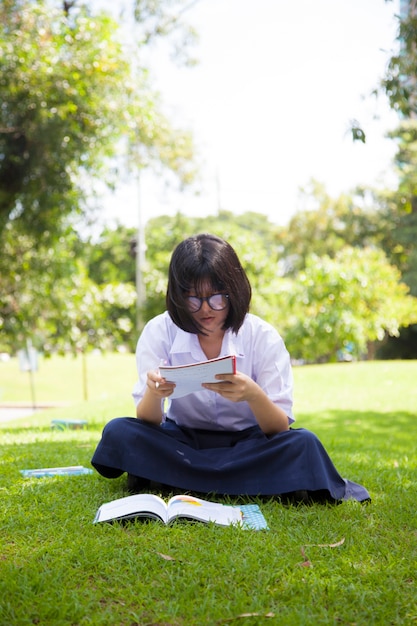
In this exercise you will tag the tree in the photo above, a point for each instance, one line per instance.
(400, 81)
(109, 258)
(329, 225)
(157, 18)
(400, 86)
(46, 296)
(346, 304)
(63, 113)
(398, 240)
(349, 298)
(64, 121)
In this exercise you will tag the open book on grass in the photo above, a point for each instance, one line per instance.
(188, 378)
(180, 507)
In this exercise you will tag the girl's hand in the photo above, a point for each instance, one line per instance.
(158, 386)
(234, 387)
(237, 387)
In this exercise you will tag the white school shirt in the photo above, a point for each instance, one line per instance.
(260, 353)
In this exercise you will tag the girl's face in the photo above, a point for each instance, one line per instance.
(210, 318)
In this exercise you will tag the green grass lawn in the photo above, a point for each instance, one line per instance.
(348, 564)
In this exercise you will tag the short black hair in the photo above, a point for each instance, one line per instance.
(203, 259)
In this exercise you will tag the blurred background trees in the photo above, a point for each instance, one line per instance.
(339, 281)
(66, 125)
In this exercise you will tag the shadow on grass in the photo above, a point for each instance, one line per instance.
(378, 450)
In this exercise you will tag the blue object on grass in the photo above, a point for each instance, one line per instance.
(63, 424)
(252, 517)
(73, 470)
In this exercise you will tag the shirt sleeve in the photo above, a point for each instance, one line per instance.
(272, 368)
(152, 350)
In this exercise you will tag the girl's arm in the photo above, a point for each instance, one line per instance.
(150, 406)
(240, 387)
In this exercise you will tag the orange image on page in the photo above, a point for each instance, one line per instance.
(188, 500)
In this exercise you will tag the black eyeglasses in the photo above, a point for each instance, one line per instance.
(217, 302)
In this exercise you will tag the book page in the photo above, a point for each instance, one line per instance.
(188, 507)
(140, 505)
(188, 378)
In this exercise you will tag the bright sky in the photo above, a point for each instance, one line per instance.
(270, 104)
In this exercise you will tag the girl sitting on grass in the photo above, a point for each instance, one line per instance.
(232, 437)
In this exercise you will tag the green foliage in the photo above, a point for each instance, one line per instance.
(73, 295)
(63, 113)
(329, 225)
(60, 110)
(400, 86)
(111, 256)
(404, 199)
(400, 207)
(156, 18)
(363, 220)
(47, 297)
(400, 83)
(397, 218)
(343, 304)
(58, 568)
(65, 122)
(340, 297)
(358, 133)
(398, 242)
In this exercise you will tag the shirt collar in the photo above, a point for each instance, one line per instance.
(232, 344)
(188, 343)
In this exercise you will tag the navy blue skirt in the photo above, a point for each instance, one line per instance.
(246, 462)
